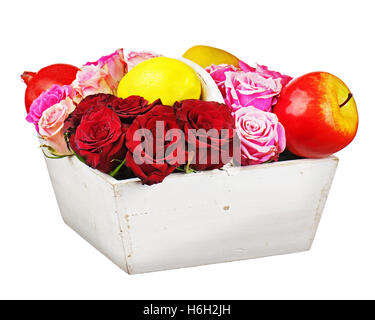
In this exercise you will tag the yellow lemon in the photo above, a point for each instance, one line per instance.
(206, 56)
(162, 78)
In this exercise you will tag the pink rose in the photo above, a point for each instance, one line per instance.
(114, 66)
(51, 125)
(248, 86)
(46, 100)
(217, 73)
(90, 80)
(243, 89)
(262, 135)
(263, 70)
(134, 58)
(102, 76)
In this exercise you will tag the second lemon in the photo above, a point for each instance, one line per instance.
(162, 78)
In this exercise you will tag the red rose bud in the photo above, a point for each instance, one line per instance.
(100, 139)
(156, 146)
(209, 132)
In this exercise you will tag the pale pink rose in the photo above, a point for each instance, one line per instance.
(101, 76)
(261, 134)
(90, 80)
(51, 125)
(133, 58)
(217, 73)
(114, 67)
(46, 100)
(263, 70)
(243, 89)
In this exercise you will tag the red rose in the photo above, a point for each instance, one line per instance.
(131, 107)
(100, 99)
(154, 151)
(100, 139)
(127, 109)
(206, 146)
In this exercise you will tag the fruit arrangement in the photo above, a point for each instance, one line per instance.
(146, 115)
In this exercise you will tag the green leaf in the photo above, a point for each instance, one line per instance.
(52, 152)
(117, 169)
(78, 157)
(66, 138)
(189, 170)
(186, 169)
(53, 157)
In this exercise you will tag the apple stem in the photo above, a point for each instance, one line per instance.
(350, 95)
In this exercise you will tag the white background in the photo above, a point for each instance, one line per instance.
(42, 258)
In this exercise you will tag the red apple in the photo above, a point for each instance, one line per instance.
(319, 115)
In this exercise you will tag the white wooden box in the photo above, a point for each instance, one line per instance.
(198, 218)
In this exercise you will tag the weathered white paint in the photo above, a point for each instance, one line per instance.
(198, 218)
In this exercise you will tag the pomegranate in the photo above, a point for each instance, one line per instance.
(60, 74)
